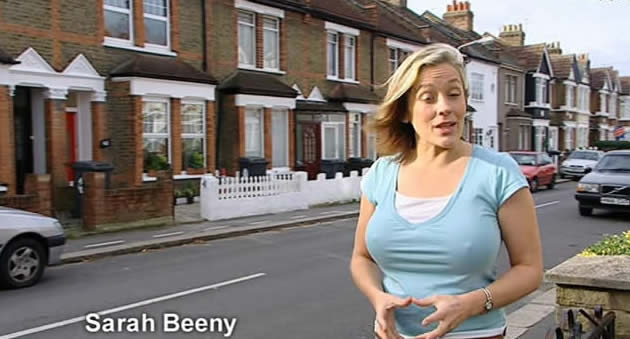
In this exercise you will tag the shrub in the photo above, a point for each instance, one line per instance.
(610, 245)
(612, 145)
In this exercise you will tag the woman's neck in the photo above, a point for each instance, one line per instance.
(432, 155)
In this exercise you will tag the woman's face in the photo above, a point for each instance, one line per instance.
(439, 106)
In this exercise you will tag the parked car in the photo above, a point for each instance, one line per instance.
(607, 186)
(580, 163)
(28, 242)
(537, 167)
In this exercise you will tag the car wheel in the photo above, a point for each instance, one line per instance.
(585, 211)
(533, 185)
(562, 176)
(22, 263)
(552, 183)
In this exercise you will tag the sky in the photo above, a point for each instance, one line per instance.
(600, 28)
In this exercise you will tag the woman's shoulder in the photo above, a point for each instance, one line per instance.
(385, 163)
(492, 158)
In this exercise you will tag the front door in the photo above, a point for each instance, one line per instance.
(23, 124)
(311, 143)
(71, 132)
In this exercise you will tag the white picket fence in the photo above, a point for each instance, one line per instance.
(231, 197)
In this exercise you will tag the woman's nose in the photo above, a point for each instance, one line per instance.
(443, 105)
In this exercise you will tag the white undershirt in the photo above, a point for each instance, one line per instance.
(417, 210)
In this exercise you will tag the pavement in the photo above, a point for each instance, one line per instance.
(529, 321)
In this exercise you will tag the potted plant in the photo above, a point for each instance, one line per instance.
(154, 162)
(190, 193)
(196, 164)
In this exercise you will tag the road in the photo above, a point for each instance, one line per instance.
(294, 282)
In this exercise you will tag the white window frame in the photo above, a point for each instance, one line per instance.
(569, 96)
(477, 82)
(334, 75)
(355, 125)
(261, 110)
(511, 83)
(347, 61)
(613, 105)
(277, 37)
(568, 138)
(393, 63)
(203, 135)
(602, 102)
(284, 111)
(253, 26)
(166, 19)
(478, 136)
(337, 126)
(168, 124)
(129, 12)
(541, 93)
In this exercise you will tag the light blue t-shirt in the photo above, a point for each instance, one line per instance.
(454, 252)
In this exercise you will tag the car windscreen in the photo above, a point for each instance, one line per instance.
(584, 155)
(524, 159)
(617, 162)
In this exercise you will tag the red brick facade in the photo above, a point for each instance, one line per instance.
(7, 140)
(176, 136)
(37, 197)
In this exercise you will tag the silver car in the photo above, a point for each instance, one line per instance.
(580, 163)
(28, 242)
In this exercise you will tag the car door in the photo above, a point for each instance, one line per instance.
(548, 168)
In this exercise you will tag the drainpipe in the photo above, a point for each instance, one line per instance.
(204, 62)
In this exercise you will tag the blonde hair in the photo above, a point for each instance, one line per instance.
(394, 136)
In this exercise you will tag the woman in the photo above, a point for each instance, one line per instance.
(434, 211)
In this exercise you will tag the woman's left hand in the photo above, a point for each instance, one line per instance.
(451, 310)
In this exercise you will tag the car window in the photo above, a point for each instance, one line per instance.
(524, 159)
(546, 159)
(614, 162)
(584, 155)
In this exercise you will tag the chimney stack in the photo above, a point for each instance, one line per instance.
(459, 15)
(513, 35)
(399, 3)
(554, 48)
(583, 58)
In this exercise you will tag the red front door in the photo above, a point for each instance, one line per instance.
(312, 150)
(71, 122)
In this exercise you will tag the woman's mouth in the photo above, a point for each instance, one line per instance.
(446, 128)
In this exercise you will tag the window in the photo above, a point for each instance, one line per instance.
(193, 135)
(393, 60)
(569, 96)
(478, 136)
(254, 132)
(280, 137)
(156, 22)
(568, 138)
(602, 102)
(612, 105)
(371, 146)
(541, 91)
(246, 39)
(510, 89)
(540, 138)
(118, 19)
(334, 141)
(355, 135)
(333, 54)
(523, 137)
(271, 42)
(477, 86)
(155, 134)
(349, 56)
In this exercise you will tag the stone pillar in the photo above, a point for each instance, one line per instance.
(57, 156)
(268, 138)
(211, 139)
(176, 136)
(99, 126)
(7, 140)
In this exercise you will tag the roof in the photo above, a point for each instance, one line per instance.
(5, 58)
(625, 85)
(599, 76)
(353, 93)
(389, 22)
(307, 106)
(562, 65)
(256, 83)
(158, 67)
(528, 56)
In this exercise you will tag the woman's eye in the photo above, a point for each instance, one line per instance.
(455, 94)
(426, 97)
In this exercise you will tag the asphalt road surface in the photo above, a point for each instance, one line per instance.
(292, 283)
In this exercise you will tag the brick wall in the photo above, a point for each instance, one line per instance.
(211, 139)
(37, 197)
(267, 137)
(106, 206)
(56, 147)
(176, 136)
(7, 140)
(99, 131)
(228, 140)
(292, 138)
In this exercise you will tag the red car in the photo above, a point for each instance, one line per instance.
(537, 167)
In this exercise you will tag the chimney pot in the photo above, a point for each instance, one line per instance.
(449, 8)
(467, 5)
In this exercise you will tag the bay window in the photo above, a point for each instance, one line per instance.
(156, 133)
(280, 137)
(254, 135)
(193, 135)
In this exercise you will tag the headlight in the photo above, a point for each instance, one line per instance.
(564, 164)
(58, 226)
(590, 188)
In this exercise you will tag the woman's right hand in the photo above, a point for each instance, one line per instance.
(384, 305)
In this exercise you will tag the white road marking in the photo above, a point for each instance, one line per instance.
(109, 243)
(257, 222)
(297, 216)
(547, 204)
(215, 228)
(332, 212)
(167, 234)
(130, 306)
